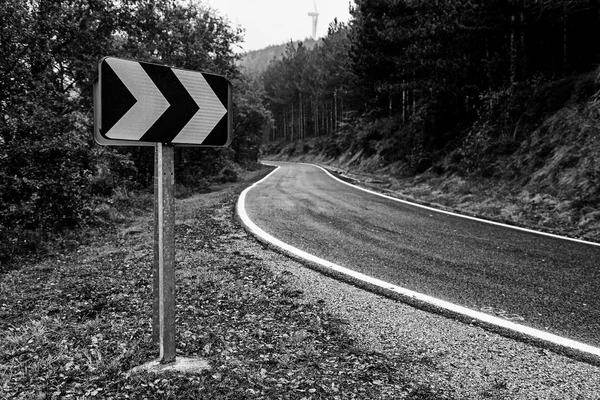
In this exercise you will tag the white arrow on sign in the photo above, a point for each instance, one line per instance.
(149, 106)
(210, 112)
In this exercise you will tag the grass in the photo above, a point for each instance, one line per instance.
(501, 201)
(75, 323)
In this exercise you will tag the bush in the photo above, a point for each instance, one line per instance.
(46, 171)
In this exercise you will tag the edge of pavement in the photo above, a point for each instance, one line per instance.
(574, 349)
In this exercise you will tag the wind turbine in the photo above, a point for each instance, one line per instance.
(315, 18)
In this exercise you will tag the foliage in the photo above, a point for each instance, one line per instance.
(510, 117)
(253, 63)
(51, 172)
(252, 118)
(190, 36)
(440, 68)
(45, 156)
(308, 91)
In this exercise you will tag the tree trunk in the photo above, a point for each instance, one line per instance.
(404, 101)
(335, 110)
(523, 46)
(518, 50)
(514, 51)
(293, 122)
(565, 65)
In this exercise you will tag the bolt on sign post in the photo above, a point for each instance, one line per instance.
(144, 104)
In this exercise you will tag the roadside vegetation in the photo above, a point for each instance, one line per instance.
(55, 182)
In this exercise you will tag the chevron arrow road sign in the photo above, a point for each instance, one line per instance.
(138, 104)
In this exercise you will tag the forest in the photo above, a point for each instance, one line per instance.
(421, 75)
(53, 177)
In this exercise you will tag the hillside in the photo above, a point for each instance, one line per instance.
(253, 63)
(546, 175)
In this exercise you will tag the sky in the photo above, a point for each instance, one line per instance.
(268, 22)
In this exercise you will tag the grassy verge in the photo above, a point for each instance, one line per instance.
(74, 324)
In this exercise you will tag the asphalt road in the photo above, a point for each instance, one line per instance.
(543, 282)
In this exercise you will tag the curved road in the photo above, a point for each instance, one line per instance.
(543, 282)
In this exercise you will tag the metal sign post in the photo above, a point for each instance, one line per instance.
(163, 310)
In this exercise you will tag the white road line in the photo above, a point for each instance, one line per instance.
(406, 293)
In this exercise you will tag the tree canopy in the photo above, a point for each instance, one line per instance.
(430, 61)
(50, 168)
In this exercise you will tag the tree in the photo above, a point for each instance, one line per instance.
(50, 169)
(420, 73)
(308, 90)
(48, 50)
(252, 120)
(334, 79)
